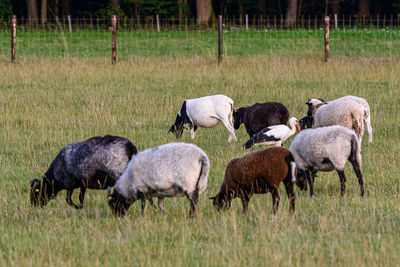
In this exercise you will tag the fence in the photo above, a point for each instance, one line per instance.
(91, 38)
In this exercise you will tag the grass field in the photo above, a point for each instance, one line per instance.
(46, 104)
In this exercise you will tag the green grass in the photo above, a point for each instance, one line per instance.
(92, 44)
(47, 104)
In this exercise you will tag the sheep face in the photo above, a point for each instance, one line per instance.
(238, 117)
(117, 203)
(306, 122)
(301, 180)
(313, 103)
(221, 201)
(41, 192)
(177, 129)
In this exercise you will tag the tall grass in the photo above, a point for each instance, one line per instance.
(47, 104)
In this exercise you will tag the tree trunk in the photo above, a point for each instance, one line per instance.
(32, 10)
(364, 7)
(66, 7)
(182, 7)
(43, 11)
(335, 4)
(204, 10)
(291, 13)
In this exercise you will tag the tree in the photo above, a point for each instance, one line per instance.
(364, 7)
(291, 13)
(43, 11)
(204, 10)
(32, 10)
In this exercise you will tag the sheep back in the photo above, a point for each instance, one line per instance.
(324, 149)
(345, 113)
(168, 170)
(261, 115)
(97, 162)
(270, 163)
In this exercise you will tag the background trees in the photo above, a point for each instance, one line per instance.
(201, 9)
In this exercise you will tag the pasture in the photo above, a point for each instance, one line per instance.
(47, 103)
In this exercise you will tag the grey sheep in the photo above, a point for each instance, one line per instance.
(326, 149)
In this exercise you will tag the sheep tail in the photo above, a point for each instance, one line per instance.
(367, 119)
(293, 170)
(205, 167)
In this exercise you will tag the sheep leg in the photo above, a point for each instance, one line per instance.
(313, 175)
(275, 200)
(82, 196)
(342, 182)
(357, 170)
(245, 197)
(310, 183)
(161, 205)
(228, 125)
(143, 205)
(193, 132)
(193, 199)
(69, 199)
(290, 193)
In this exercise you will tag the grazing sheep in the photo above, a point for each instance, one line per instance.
(274, 135)
(170, 170)
(346, 113)
(95, 164)
(326, 149)
(206, 112)
(306, 122)
(258, 172)
(367, 112)
(260, 116)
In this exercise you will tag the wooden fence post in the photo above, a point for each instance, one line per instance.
(336, 23)
(247, 22)
(114, 39)
(69, 23)
(219, 39)
(326, 38)
(13, 35)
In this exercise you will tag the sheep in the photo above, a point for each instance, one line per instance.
(258, 172)
(367, 113)
(326, 149)
(347, 113)
(95, 164)
(207, 111)
(260, 116)
(170, 170)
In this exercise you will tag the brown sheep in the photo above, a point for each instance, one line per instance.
(258, 172)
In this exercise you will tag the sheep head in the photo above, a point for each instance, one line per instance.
(238, 117)
(221, 201)
(41, 192)
(117, 203)
(314, 104)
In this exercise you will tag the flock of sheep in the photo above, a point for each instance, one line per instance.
(181, 169)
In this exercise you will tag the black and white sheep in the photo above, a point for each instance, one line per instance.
(326, 149)
(260, 116)
(258, 172)
(95, 164)
(346, 113)
(170, 170)
(207, 111)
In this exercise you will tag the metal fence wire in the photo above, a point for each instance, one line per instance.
(160, 37)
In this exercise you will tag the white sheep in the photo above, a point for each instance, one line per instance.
(207, 111)
(170, 170)
(367, 112)
(326, 149)
(346, 113)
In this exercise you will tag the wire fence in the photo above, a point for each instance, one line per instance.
(159, 37)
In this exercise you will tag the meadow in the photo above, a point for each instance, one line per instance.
(47, 103)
